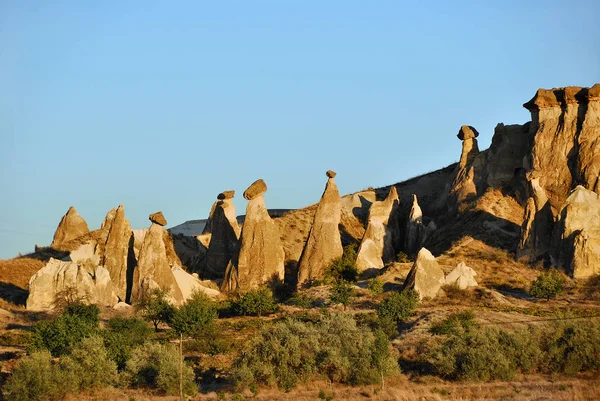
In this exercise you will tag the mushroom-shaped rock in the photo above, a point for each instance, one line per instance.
(324, 243)
(223, 245)
(576, 236)
(158, 218)
(467, 132)
(462, 276)
(257, 188)
(153, 270)
(376, 247)
(415, 230)
(58, 279)
(71, 226)
(226, 195)
(330, 174)
(261, 256)
(426, 276)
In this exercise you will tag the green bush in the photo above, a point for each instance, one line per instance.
(122, 335)
(343, 268)
(548, 285)
(196, 317)
(456, 323)
(291, 351)
(375, 285)
(254, 303)
(88, 364)
(304, 301)
(157, 365)
(34, 378)
(68, 329)
(155, 308)
(375, 323)
(398, 306)
(341, 293)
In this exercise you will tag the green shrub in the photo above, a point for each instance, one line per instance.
(375, 285)
(88, 364)
(548, 285)
(122, 335)
(374, 323)
(343, 268)
(157, 365)
(456, 323)
(398, 306)
(34, 378)
(304, 301)
(68, 329)
(254, 303)
(155, 308)
(291, 351)
(402, 258)
(196, 317)
(341, 293)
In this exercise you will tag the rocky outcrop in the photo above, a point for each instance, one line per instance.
(71, 226)
(536, 230)
(377, 246)
(576, 238)
(355, 214)
(261, 257)
(324, 243)
(415, 230)
(59, 281)
(115, 256)
(426, 276)
(225, 233)
(462, 276)
(153, 270)
(504, 158)
(189, 284)
(468, 171)
(158, 218)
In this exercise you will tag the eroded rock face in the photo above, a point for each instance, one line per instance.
(59, 279)
(324, 243)
(153, 269)
(415, 230)
(468, 171)
(261, 256)
(188, 284)
(536, 230)
(225, 233)
(462, 276)
(576, 238)
(71, 226)
(510, 145)
(426, 276)
(158, 218)
(377, 246)
(115, 257)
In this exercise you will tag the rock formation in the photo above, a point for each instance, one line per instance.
(536, 229)
(153, 270)
(225, 233)
(189, 283)
(324, 243)
(415, 230)
(462, 276)
(71, 226)
(504, 158)
(376, 248)
(464, 186)
(576, 238)
(58, 281)
(158, 218)
(261, 256)
(426, 276)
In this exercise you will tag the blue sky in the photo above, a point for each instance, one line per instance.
(161, 105)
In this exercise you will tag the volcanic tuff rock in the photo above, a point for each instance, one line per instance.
(462, 276)
(426, 276)
(158, 218)
(225, 233)
(189, 284)
(58, 280)
(415, 230)
(464, 186)
(377, 246)
(261, 256)
(153, 270)
(71, 226)
(324, 243)
(576, 238)
(536, 229)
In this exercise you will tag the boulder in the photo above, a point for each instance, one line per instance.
(63, 279)
(153, 270)
(261, 256)
(462, 276)
(188, 284)
(415, 230)
(576, 236)
(324, 243)
(426, 276)
(158, 218)
(223, 245)
(376, 248)
(71, 226)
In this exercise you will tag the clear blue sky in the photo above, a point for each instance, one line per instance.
(161, 105)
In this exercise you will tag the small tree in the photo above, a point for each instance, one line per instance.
(155, 307)
(341, 293)
(255, 302)
(548, 285)
(398, 306)
(383, 359)
(343, 268)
